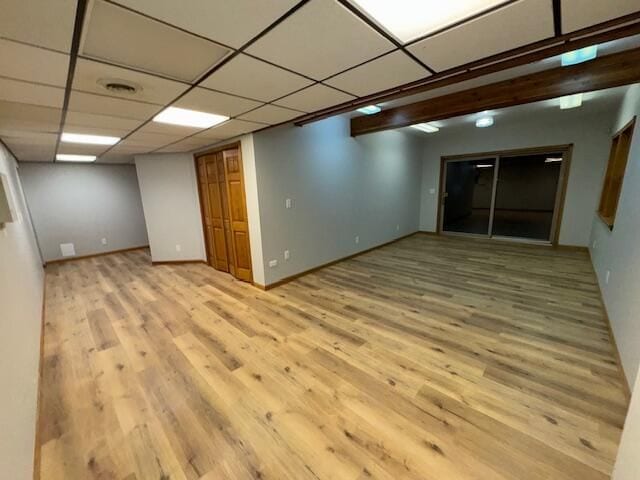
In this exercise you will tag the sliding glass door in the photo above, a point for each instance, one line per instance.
(469, 196)
(512, 195)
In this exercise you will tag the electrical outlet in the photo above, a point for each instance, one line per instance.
(287, 203)
(287, 255)
(398, 228)
(273, 263)
(606, 278)
(357, 239)
(178, 248)
(104, 241)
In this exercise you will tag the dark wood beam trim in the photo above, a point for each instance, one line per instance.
(605, 32)
(81, 10)
(605, 72)
(557, 17)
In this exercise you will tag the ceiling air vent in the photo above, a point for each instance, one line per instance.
(119, 87)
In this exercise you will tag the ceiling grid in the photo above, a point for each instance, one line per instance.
(260, 64)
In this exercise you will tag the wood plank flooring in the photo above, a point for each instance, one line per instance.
(431, 358)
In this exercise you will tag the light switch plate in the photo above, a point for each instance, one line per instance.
(288, 203)
(273, 263)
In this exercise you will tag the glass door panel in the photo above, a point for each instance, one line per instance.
(526, 194)
(468, 196)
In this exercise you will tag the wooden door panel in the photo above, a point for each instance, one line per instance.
(224, 212)
(241, 244)
(236, 201)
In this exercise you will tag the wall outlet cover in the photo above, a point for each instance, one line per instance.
(178, 248)
(288, 203)
(67, 249)
(287, 255)
(357, 239)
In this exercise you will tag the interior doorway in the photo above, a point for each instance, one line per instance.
(515, 194)
(224, 211)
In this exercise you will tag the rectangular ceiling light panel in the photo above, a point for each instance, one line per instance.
(89, 139)
(189, 118)
(65, 157)
(410, 19)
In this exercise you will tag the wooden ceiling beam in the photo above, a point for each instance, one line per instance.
(605, 72)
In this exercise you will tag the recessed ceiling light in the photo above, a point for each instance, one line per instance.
(553, 160)
(484, 122)
(90, 139)
(189, 118)
(65, 157)
(571, 101)
(578, 56)
(370, 109)
(410, 19)
(426, 127)
(484, 166)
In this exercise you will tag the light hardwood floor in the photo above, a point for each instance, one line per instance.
(431, 358)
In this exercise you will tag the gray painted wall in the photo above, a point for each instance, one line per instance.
(21, 289)
(82, 204)
(169, 189)
(618, 251)
(590, 135)
(340, 188)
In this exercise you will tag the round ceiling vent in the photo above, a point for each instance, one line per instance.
(119, 87)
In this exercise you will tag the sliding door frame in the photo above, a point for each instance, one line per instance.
(560, 197)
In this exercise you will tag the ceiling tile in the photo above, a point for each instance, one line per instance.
(384, 73)
(33, 64)
(169, 129)
(31, 93)
(115, 158)
(271, 114)
(39, 22)
(232, 128)
(84, 130)
(577, 14)
(128, 148)
(503, 29)
(204, 100)
(187, 145)
(31, 118)
(151, 140)
(99, 104)
(120, 36)
(91, 77)
(34, 153)
(304, 43)
(96, 121)
(215, 19)
(81, 149)
(248, 77)
(38, 147)
(315, 98)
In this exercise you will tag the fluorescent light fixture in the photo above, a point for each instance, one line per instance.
(553, 160)
(409, 19)
(484, 122)
(571, 101)
(189, 118)
(90, 139)
(370, 109)
(482, 165)
(66, 157)
(578, 56)
(425, 127)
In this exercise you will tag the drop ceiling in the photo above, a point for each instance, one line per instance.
(260, 63)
